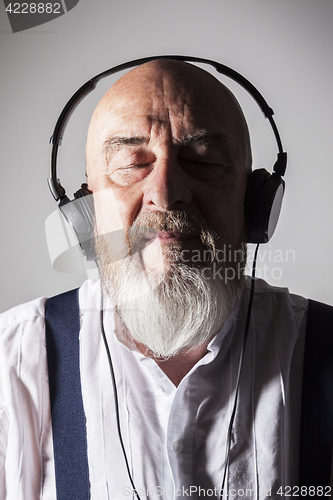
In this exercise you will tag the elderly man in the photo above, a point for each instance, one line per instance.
(168, 157)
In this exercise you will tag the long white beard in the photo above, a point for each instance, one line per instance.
(171, 311)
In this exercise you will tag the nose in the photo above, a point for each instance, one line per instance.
(167, 187)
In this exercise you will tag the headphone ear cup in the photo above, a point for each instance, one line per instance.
(263, 200)
(80, 215)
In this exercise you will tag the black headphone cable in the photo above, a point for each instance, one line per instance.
(246, 331)
(115, 393)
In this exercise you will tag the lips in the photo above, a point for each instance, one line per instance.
(169, 236)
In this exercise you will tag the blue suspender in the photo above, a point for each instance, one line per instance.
(62, 321)
(317, 398)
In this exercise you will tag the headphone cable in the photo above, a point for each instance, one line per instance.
(115, 392)
(246, 331)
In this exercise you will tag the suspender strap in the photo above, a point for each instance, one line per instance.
(62, 322)
(317, 398)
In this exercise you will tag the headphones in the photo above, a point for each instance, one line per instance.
(264, 191)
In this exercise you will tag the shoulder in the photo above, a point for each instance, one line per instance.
(19, 318)
(21, 336)
(30, 316)
(279, 296)
(25, 324)
(278, 309)
(281, 300)
(22, 340)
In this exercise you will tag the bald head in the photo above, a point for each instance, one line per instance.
(183, 89)
(177, 80)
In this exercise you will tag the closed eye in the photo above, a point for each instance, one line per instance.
(203, 169)
(130, 174)
(134, 166)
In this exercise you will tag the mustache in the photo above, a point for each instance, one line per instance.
(189, 223)
(121, 243)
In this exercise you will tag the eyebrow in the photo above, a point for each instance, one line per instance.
(117, 142)
(205, 138)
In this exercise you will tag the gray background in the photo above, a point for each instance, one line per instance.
(283, 46)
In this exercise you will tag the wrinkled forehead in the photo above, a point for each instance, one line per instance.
(179, 93)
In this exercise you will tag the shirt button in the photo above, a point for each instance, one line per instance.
(177, 446)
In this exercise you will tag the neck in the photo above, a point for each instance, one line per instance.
(175, 368)
(178, 366)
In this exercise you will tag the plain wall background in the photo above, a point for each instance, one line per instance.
(283, 46)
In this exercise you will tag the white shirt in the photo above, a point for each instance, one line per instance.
(175, 438)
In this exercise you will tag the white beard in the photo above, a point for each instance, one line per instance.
(171, 311)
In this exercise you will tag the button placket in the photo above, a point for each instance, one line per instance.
(180, 434)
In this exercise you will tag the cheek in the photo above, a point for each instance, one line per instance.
(115, 208)
(223, 208)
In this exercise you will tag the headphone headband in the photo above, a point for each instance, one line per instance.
(57, 190)
(264, 191)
